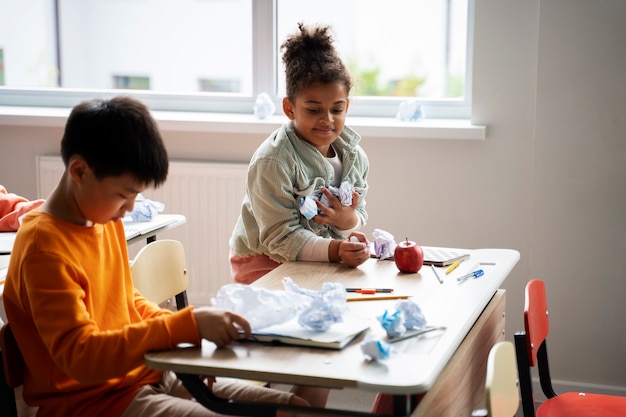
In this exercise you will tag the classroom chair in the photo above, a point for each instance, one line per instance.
(531, 349)
(12, 371)
(501, 388)
(159, 272)
(12, 377)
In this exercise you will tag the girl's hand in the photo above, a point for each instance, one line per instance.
(350, 252)
(353, 253)
(340, 216)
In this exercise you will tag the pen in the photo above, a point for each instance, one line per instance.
(436, 274)
(453, 266)
(474, 274)
(413, 333)
(377, 297)
(369, 290)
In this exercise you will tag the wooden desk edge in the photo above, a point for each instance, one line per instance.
(460, 388)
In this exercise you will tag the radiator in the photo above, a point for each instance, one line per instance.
(208, 194)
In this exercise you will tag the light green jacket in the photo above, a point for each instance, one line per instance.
(283, 169)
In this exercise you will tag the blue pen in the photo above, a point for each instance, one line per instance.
(474, 274)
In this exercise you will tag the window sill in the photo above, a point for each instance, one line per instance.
(244, 123)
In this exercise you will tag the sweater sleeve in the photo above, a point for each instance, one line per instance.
(275, 210)
(12, 208)
(83, 346)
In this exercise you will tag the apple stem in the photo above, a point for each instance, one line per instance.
(407, 240)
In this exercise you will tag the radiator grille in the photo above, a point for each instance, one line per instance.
(209, 195)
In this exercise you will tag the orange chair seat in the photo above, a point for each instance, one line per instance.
(570, 404)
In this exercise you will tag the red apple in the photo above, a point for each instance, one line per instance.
(408, 256)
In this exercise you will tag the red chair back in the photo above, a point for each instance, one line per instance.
(536, 320)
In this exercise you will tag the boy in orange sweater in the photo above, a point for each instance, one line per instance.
(81, 326)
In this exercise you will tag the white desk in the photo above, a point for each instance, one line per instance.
(419, 364)
(6, 242)
(137, 231)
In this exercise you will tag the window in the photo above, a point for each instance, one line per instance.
(218, 55)
(131, 83)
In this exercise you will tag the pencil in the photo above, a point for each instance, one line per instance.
(436, 274)
(453, 266)
(377, 297)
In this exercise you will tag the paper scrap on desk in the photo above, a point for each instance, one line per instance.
(408, 315)
(260, 306)
(375, 349)
(315, 310)
(145, 210)
(384, 244)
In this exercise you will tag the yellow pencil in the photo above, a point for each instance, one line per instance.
(453, 266)
(377, 297)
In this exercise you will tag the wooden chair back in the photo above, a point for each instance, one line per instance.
(501, 389)
(160, 272)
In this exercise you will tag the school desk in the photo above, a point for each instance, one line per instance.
(447, 368)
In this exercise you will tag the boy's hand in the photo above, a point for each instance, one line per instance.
(220, 326)
(340, 216)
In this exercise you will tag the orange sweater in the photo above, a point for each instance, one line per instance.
(82, 328)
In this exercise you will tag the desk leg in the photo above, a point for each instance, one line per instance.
(404, 404)
(460, 388)
(401, 405)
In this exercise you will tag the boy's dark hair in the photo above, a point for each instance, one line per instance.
(116, 136)
(309, 57)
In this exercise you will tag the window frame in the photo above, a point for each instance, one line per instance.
(450, 118)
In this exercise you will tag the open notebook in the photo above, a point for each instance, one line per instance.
(442, 256)
(435, 256)
(292, 333)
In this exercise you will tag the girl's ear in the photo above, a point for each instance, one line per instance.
(288, 108)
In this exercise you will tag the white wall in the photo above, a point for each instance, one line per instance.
(549, 180)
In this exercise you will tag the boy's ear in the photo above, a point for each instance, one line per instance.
(288, 108)
(77, 168)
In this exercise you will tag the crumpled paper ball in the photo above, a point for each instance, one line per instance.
(412, 314)
(384, 244)
(325, 308)
(316, 310)
(145, 210)
(375, 349)
(307, 205)
(264, 106)
(260, 306)
(410, 110)
(408, 315)
(393, 323)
